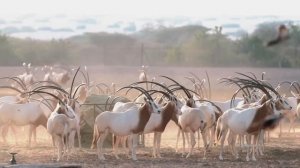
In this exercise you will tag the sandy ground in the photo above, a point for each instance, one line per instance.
(283, 152)
(279, 152)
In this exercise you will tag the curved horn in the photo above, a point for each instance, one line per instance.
(178, 88)
(188, 94)
(254, 76)
(106, 102)
(219, 109)
(84, 76)
(209, 85)
(111, 102)
(77, 88)
(50, 94)
(293, 84)
(196, 86)
(203, 88)
(44, 82)
(156, 83)
(232, 81)
(263, 84)
(17, 80)
(73, 80)
(87, 75)
(139, 89)
(50, 87)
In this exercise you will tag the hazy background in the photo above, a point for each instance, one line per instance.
(132, 32)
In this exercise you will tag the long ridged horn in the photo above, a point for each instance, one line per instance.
(72, 84)
(155, 83)
(18, 81)
(188, 94)
(209, 85)
(44, 92)
(199, 80)
(77, 88)
(139, 89)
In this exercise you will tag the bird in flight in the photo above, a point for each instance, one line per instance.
(283, 34)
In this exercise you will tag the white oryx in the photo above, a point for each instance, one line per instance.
(27, 77)
(294, 101)
(191, 120)
(157, 122)
(60, 124)
(126, 123)
(250, 121)
(58, 77)
(23, 114)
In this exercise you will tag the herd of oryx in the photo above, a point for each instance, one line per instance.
(248, 118)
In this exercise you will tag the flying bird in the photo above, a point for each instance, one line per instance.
(283, 34)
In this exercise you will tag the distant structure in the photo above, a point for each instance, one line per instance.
(143, 75)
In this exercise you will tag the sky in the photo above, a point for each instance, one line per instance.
(150, 8)
(47, 19)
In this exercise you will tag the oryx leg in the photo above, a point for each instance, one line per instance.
(212, 135)
(134, 145)
(254, 145)
(223, 136)
(232, 143)
(100, 141)
(71, 141)
(78, 136)
(192, 143)
(248, 141)
(130, 145)
(32, 130)
(116, 146)
(158, 144)
(178, 135)
(154, 144)
(183, 143)
(198, 138)
(260, 142)
(204, 137)
(125, 140)
(60, 146)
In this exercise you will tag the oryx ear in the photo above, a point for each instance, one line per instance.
(145, 99)
(65, 101)
(295, 94)
(76, 98)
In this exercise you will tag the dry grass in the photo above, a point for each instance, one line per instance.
(282, 152)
